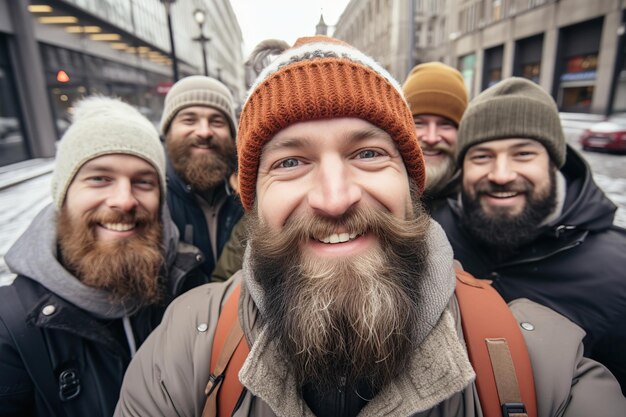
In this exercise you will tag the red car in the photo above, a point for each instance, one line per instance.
(608, 136)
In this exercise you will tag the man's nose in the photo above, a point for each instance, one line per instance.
(429, 134)
(501, 172)
(334, 191)
(203, 129)
(122, 197)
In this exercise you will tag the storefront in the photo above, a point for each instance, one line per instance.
(527, 62)
(13, 144)
(71, 75)
(492, 66)
(577, 65)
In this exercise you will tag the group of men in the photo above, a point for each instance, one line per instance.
(359, 194)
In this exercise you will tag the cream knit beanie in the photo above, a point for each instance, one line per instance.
(104, 126)
(198, 90)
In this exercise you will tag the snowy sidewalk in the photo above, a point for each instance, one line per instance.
(24, 191)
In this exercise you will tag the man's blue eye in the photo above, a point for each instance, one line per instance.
(289, 163)
(368, 153)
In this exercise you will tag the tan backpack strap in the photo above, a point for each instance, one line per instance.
(497, 350)
(230, 350)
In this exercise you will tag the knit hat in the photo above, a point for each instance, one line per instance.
(438, 89)
(198, 90)
(322, 78)
(104, 126)
(513, 108)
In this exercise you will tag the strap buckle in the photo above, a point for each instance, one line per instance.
(513, 410)
(214, 382)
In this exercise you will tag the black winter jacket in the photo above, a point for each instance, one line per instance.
(577, 266)
(191, 222)
(94, 350)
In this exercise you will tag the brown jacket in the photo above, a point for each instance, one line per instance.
(168, 376)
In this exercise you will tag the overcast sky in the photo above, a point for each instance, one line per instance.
(282, 19)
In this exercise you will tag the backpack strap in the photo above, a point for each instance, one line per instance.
(495, 345)
(229, 352)
(30, 345)
(497, 350)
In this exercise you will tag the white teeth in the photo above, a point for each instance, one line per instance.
(503, 194)
(119, 227)
(339, 237)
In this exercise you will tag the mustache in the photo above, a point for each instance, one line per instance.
(519, 185)
(358, 220)
(440, 146)
(138, 216)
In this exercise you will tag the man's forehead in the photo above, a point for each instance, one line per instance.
(506, 143)
(118, 162)
(200, 111)
(306, 133)
(426, 116)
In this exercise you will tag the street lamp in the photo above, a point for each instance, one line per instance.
(200, 16)
(168, 7)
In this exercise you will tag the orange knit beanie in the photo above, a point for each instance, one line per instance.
(322, 78)
(437, 89)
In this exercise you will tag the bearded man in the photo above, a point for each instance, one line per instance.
(347, 285)
(531, 219)
(95, 269)
(437, 97)
(198, 124)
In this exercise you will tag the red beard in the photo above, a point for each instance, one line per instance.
(127, 268)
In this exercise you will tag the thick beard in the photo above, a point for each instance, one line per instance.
(500, 231)
(438, 176)
(201, 171)
(351, 317)
(127, 268)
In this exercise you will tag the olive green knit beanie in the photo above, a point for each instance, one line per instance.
(514, 108)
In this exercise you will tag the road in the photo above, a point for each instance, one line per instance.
(609, 172)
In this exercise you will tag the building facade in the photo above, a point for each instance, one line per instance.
(53, 52)
(574, 49)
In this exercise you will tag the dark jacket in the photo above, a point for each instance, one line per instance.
(191, 222)
(84, 334)
(577, 266)
(434, 202)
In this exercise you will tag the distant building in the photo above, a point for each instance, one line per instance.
(53, 52)
(574, 49)
(322, 27)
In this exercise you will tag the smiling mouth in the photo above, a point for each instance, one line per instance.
(203, 146)
(503, 194)
(339, 238)
(119, 227)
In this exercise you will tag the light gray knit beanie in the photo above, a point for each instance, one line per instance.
(104, 126)
(198, 90)
(513, 108)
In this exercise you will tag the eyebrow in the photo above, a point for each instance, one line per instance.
(525, 142)
(97, 168)
(304, 141)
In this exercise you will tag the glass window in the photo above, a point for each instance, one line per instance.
(13, 146)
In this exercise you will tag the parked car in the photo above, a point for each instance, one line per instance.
(607, 136)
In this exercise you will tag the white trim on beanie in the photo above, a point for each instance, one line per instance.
(308, 50)
(104, 126)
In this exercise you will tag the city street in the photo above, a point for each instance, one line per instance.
(19, 203)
